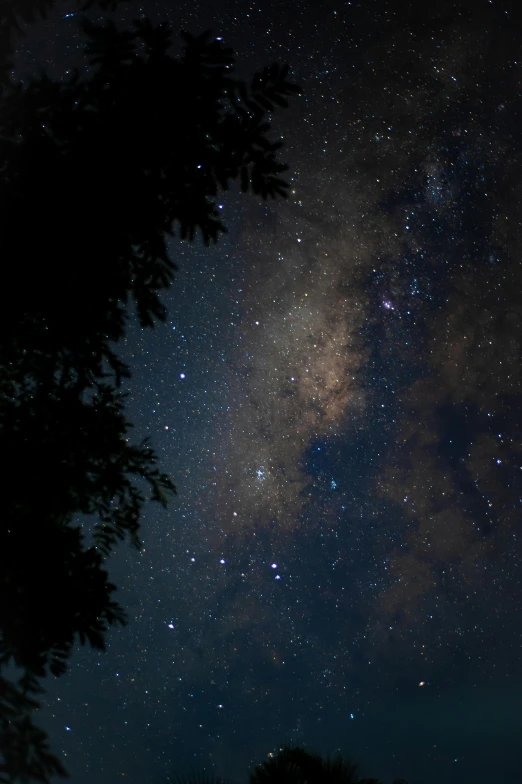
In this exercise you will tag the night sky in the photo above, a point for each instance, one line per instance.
(337, 395)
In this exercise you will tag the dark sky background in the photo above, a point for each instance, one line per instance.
(337, 395)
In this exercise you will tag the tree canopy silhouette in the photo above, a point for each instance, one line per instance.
(295, 765)
(292, 765)
(96, 174)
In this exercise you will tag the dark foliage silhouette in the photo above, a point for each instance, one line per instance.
(293, 765)
(95, 175)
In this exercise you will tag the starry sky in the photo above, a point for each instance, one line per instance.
(337, 395)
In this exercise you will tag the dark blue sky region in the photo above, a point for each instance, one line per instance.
(336, 394)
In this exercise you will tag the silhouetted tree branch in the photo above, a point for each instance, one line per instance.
(25, 749)
(94, 175)
(15, 14)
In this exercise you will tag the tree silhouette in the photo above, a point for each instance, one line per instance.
(292, 765)
(95, 174)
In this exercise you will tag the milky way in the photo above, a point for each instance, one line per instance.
(296, 374)
(337, 395)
